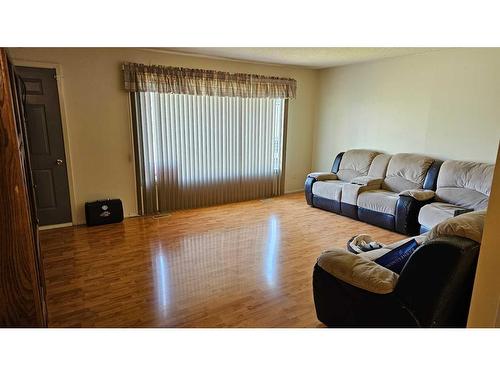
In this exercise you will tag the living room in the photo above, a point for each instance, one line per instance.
(181, 186)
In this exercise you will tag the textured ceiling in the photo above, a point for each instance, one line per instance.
(309, 57)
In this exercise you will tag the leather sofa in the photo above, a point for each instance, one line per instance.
(395, 202)
(461, 186)
(432, 290)
(324, 190)
(384, 190)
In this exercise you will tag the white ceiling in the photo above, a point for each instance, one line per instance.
(308, 57)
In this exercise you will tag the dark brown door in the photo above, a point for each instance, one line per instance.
(21, 276)
(46, 145)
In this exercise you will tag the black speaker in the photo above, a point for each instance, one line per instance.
(104, 212)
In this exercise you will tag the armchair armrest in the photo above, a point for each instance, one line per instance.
(367, 181)
(358, 271)
(323, 176)
(418, 194)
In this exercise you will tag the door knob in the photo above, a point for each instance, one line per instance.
(59, 162)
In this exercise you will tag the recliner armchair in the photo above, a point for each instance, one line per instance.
(432, 290)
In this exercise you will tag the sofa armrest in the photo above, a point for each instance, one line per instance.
(323, 176)
(419, 194)
(358, 271)
(350, 192)
(436, 283)
(311, 179)
(367, 181)
(406, 218)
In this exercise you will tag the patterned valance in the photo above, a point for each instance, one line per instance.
(167, 79)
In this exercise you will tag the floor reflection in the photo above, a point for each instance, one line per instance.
(199, 266)
(161, 281)
(271, 252)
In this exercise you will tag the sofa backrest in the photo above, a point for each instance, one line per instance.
(465, 183)
(355, 163)
(378, 168)
(406, 171)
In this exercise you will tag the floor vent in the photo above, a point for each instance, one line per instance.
(267, 200)
(160, 216)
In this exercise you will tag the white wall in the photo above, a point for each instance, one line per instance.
(444, 104)
(485, 303)
(98, 117)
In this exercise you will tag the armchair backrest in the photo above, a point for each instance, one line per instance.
(436, 283)
(464, 183)
(406, 171)
(355, 163)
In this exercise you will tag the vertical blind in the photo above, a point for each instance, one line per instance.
(197, 150)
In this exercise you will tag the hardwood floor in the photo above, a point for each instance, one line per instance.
(246, 264)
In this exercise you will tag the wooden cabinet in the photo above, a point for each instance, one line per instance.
(22, 291)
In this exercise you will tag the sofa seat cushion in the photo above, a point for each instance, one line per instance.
(432, 214)
(328, 189)
(379, 200)
(377, 253)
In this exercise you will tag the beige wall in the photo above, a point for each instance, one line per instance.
(485, 304)
(444, 104)
(98, 118)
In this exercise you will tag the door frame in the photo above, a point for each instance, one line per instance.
(65, 131)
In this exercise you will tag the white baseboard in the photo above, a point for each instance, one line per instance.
(55, 226)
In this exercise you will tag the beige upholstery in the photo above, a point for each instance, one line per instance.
(434, 213)
(378, 168)
(367, 181)
(373, 181)
(377, 253)
(469, 225)
(419, 194)
(323, 176)
(465, 184)
(379, 200)
(328, 189)
(350, 192)
(406, 171)
(358, 271)
(355, 163)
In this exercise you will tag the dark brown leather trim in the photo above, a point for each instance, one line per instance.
(326, 204)
(407, 210)
(349, 210)
(336, 162)
(379, 219)
(308, 189)
(431, 177)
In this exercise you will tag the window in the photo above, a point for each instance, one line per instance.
(198, 150)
